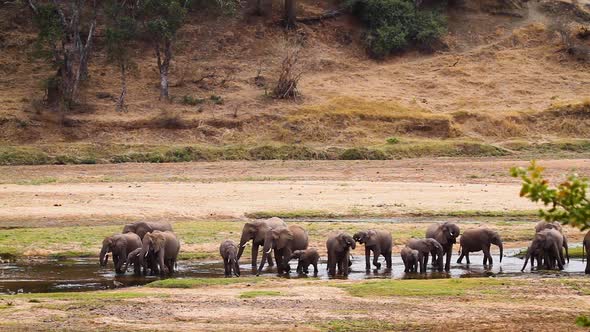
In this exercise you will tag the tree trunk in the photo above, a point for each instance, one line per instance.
(290, 13)
(121, 102)
(163, 67)
(260, 7)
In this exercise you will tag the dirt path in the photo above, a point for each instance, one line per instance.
(232, 189)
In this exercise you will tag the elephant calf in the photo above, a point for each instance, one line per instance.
(546, 244)
(165, 246)
(411, 259)
(424, 247)
(305, 259)
(338, 247)
(119, 245)
(229, 252)
(476, 239)
(377, 241)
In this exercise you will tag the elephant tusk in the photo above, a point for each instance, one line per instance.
(268, 252)
(244, 245)
(146, 253)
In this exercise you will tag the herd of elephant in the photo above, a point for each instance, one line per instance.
(152, 247)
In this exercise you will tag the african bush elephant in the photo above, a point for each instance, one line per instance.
(283, 241)
(547, 244)
(338, 247)
(446, 234)
(424, 247)
(586, 247)
(411, 259)
(229, 252)
(541, 225)
(305, 259)
(377, 241)
(256, 231)
(165, 246)
(119, 245)
(143, 227)
(476, 239)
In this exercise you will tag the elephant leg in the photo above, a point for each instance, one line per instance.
(388, 259)
(299, 267)
(376, 254)
(461, 256)
(368, 258)
(448, 262)
(225, 268)
(278, 260)
(340, 266)
(486, 254)
(467, 258)
(254, 255)
(161, 262)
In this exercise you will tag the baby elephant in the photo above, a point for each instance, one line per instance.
(411, 259)
(306, 258)
(229, 252)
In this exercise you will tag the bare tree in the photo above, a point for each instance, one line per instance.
(61, 25)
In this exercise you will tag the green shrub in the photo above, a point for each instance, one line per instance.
(394, 25)
(190, 100)
(363, 154)
(392, 140)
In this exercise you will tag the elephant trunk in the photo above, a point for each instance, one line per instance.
(243, 241)
(526, 260)
(501, 246)
(104, 257)
(567, 254)
(268, 245)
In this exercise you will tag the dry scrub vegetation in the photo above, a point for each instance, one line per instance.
(501, 85)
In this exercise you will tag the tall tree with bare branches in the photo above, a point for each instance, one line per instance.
(66, 31)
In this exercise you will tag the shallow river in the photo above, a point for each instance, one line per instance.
(85, 273)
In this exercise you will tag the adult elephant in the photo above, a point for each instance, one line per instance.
(446, 234)
(547, 244)
(338, 247)
(256, 231)
(425, 246)
(377, 241)
(165, 246)
(586, 247)
(283, 241)
(479, 239)
(119, 245)
(141, 228)
(541, 225)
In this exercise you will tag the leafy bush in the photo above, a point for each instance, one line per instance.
(190, 100)
(394, 25)
(392, 140)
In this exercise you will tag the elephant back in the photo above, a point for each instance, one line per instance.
(300, 237)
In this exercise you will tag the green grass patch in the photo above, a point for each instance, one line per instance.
(259, 293)
(201, 282)
(365, 325)
(38, 181)
(433, 287)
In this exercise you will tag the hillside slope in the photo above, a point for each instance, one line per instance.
(503, 81)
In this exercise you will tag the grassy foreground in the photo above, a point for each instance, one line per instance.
(313, 305)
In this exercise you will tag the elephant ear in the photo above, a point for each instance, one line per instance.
(284, 237)
(108, 241)
(371, 238)
(158, 241)
(441, 234)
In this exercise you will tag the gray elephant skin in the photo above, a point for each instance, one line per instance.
(256, 231)
(424, 247)
(446, 234)
(119, 245)
(547, 244)
(377, 241)
(165, 246)
(479, 239)
(338, 247)
(283, 241)
(541, 225)
(411, 259)
(305, 258)
(141, 228)
(229, 252)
